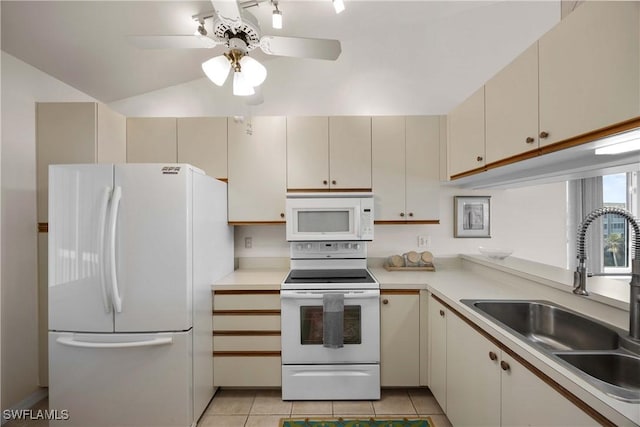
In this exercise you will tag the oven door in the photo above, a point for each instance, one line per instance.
(302, 327)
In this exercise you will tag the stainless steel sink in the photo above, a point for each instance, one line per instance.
(593, 350)
(551, 326)
(621, 371)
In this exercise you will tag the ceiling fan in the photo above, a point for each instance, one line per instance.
(231, 25)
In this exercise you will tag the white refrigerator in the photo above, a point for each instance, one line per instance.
(133, 251)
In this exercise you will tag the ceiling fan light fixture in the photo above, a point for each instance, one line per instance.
(217, 69)
(241, 87)
(338, 5)
(253, 72)
(276, 19)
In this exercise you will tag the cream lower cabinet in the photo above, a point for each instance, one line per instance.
(246, 338)
(257, 170)
(152, 140)
(406, 168)
(400, 338)
(484, 385)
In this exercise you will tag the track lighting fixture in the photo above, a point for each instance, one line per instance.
(276, 17)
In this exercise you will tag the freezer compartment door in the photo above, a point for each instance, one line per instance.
(153, 247)
(121, 379)
(331, 382)
(79, 296)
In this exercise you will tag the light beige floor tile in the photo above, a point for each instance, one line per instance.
(235, 392)
(394, 402)
(311, 407)
(440, 421)
(268, 392)
(424, 402)
(270, 405)
(362, 407)
(230, 406)
(223, 421)
(264, 420)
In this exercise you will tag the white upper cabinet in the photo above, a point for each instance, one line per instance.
(328, 153)
(152, 140)
(257, 169)
(307, 153)
(466, 135)
(350, 152)
(406, 167)
(75, 132)
(202, 142)
(511, 108)
(589, 70)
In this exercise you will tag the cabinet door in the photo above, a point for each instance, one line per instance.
(473, 378)
(527, 400)
(466, 134)
(422, 171)
(399, 339)
(307, 153)
(151, 140)
(388, 145)
(438, 352)
(511, 108)
(350, 152)
(257, 169)
(202, 142)
(589, 70)
(111, 136)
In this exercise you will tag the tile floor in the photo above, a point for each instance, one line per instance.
(265, 408)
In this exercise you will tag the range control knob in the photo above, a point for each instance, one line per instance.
(357, 246)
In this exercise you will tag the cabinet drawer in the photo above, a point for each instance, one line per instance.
(246, 323)
(261, 371)
(249, 301)
(246, 343)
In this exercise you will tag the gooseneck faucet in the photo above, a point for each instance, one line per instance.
(580, 275)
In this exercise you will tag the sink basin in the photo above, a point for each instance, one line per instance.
(616, 369)
(550, 326)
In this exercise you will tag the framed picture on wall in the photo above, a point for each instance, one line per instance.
(471, 216)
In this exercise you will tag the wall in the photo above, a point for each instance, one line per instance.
(529, 220)
(22, 87)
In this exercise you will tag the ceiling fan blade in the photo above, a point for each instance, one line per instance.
(228, 12)
(172, 42)
(299, 47)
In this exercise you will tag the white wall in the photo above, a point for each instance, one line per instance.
(529, 220)
(22, 87)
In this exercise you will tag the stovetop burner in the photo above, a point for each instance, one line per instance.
(345, 276)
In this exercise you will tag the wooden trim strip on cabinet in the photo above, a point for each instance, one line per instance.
(392, 222)
(246, 292)
(223, 179)
(247, 354)
(399, 291)
(469, 173)
(246, 312)
(43, 227)
(597, 416)
(246, 333)
(255, 222)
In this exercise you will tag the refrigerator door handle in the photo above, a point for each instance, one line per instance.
(71, 342)
(102, 222)
(113, 219)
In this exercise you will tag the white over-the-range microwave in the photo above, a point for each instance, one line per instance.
(329, 216)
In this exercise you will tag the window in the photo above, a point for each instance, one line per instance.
(618, 190)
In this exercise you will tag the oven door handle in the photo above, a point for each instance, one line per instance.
(319, 295)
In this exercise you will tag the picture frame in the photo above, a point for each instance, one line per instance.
(471, 216)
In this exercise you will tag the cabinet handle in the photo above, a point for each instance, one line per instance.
(333, 182)
(385, 301)
(325, 182)
(479, 158)
(544, 134)
(281, 214)
(529, 140)
(402, 214)
(442, 313)
(505, 366)
(410, 213)
(493, 356)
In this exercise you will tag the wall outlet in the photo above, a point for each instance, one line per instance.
(248, 242)
(424, 242)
